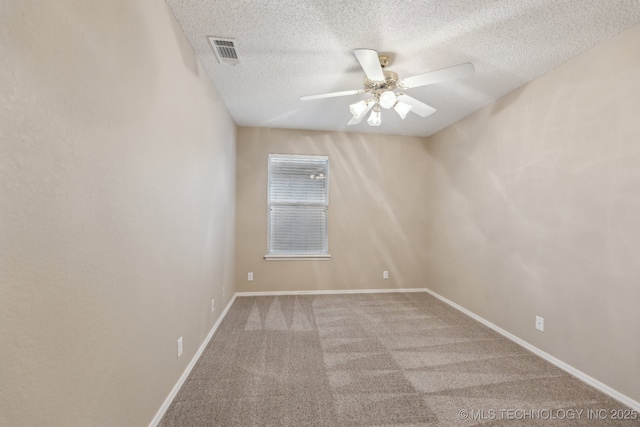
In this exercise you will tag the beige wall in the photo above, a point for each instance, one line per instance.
(534, 209)
(116, 204)
(377, 212)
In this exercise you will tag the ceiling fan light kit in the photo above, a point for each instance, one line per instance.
(382, 84)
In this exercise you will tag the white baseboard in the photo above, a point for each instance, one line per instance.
(557, 362)
(187, 371)
(324, 292)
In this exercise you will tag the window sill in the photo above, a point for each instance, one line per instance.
(310, 257)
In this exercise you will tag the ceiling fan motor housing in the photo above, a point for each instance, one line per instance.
(390, 83)
(383, 90)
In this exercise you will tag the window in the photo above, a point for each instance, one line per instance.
(298, 205)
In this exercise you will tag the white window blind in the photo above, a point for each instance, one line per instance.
(298, 205)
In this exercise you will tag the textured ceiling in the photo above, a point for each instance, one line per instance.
(293, 48)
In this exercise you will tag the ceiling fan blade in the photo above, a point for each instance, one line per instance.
(331, 95)
(443, 75)
(418, 107)
(370, 63)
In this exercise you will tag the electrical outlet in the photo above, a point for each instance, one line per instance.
(250, 277)
(213, 304)
(540, 323)
(385, 274)
(179, 346)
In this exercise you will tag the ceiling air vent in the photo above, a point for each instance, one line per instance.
(225, 50)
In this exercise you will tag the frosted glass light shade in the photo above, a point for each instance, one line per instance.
(374, 118)
(358, 112)
(402, 109)
(358, 108)
(388, 99)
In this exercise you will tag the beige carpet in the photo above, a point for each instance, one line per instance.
(375, 360)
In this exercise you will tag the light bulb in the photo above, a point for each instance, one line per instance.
(374, 118)
(402, 109)
(387, 99)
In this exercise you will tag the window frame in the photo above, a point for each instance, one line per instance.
(293, 256)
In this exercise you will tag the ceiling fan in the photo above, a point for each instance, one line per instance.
(386, 88)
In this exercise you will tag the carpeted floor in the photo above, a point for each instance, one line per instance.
(375, 360)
